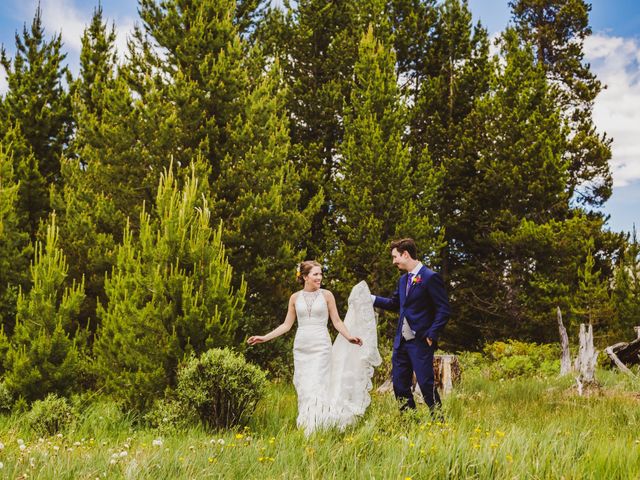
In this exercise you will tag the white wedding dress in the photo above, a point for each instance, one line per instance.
(333, 381)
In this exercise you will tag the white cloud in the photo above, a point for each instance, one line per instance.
(616, 62)
(65, 17)
(3, 83)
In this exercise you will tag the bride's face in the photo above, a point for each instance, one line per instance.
(314, 279)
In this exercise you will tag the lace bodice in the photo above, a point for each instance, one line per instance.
(311, 309)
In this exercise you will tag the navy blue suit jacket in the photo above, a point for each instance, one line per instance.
(426, 306)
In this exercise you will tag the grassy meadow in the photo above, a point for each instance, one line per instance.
(526, 428)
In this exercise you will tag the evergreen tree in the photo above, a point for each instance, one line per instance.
(258, 197)
(378, 195)
(592, 302)
(626, 293)
(557, 29)
(91, 220)
(456, 73)
(316, 42)
(515, 160)
(36, 101)
(45, 350)
(14, 244)
(169, 295)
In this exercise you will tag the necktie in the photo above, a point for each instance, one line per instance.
(407, 333)
(409, 278)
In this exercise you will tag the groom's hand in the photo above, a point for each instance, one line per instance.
(429, 341)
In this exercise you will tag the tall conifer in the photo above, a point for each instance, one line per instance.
(169, 295)
(379, 195)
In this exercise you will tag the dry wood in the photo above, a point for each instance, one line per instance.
(585, 363)
(565, 359)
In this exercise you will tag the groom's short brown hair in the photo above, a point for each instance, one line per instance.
(405, 245)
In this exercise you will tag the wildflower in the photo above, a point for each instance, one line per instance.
(157, 442)
(477, 430)
(494, 445)
(192, 448)
(221, 441)
(500, 433)
(1, 446)
(23, 446)
(77, 444)
(239, 436)
(112, 461)
(509, 458)
(272, 440)
(1, 465)
(59, 435)
(20, 441)
(476, 446)
(56, 448)
(211, 459)
(123, 453)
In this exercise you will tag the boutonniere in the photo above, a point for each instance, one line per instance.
(416, 280)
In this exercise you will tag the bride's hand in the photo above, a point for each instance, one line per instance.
(254, 340)
(355, 340)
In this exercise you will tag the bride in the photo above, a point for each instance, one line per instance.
(332, 381)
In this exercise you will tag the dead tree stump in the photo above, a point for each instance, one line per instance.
(585, 363)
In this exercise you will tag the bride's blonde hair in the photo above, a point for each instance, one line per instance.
(304, 268)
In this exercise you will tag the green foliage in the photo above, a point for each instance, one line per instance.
(592, 302)
(14, 242)
(50, 416)
(520, 359)
(626, 291)
(6, 399)
(45, 352)
(378, 195)
(557, 29)
(36, 102)
(221, 387)
(169, 294)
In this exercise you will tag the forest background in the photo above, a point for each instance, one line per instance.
(155, 207)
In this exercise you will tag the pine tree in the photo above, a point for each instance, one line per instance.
(36, 101)
(518, 174)
(557, 30)
(91, 221)
(378, 195)
(316, 42)
(592, 303)
(46, 348)
(258, 197)
(456, 72)
(169, 295)
(14, 244)
(626, 293)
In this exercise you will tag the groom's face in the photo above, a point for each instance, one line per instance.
(401, 260)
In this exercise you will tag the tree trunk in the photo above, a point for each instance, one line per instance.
(565, 360)
(446, 370)
(585, 363)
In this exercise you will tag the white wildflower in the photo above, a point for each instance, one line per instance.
(157, 442)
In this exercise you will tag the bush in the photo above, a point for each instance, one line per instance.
(169, 415)
(6, 399)
(221, 387)
(516, 359)
(50, 416)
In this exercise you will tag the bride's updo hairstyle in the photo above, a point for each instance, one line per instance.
(304, 268)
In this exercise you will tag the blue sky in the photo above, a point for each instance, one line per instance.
(613, 51)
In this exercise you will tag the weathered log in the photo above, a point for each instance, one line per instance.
(616, 361)
(565, 359)
(625, 353)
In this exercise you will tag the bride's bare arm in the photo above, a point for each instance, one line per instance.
(335, 318)
(283, 328)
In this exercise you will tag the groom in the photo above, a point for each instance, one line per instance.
(421, 299)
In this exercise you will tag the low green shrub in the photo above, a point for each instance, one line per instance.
(50, 416)
(170, 415)
(514, 358)
(6, 399)
(221, 387)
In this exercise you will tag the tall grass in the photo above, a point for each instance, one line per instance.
(522, 428)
